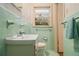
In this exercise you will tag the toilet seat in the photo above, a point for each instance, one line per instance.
(40, 45)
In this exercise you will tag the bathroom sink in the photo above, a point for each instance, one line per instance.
(24, 39)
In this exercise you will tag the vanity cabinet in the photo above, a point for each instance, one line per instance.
(21, 47)
(20, 50)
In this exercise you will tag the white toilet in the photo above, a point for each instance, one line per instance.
(42, 51)
(40, 48)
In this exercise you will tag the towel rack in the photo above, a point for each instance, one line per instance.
(76, 18)
(72, 18)
(64, 22)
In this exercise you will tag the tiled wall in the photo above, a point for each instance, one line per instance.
(12, 29)
(3, 32)
(15, 28)
(46, 35)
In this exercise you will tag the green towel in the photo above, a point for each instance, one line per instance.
(76, 40)
(72, 32)
(71, 29)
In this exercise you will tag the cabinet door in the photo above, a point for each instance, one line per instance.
(20, 50)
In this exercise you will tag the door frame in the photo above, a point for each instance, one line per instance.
(58, 17)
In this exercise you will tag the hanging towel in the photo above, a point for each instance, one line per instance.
(72, 32)
(77, 25)
(76, 40)
(71, 29)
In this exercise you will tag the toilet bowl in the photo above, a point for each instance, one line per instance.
(40, 45)
(42, 51)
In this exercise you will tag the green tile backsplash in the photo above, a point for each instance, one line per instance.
(4, 16)
(46, 33)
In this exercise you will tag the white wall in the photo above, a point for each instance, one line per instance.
(71, 8)
(28, 10)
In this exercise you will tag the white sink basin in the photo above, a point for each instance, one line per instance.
(24, 39)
